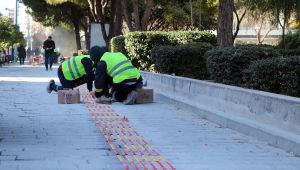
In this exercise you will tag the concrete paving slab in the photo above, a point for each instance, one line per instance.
(190, 142)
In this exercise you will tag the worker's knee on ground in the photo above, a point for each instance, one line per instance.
(120, 97)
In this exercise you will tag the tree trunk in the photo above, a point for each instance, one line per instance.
(258, 32)
(225, 20)
(136, 15)
(126, 15)
(136, 21)
(283, 37)
(258, 35)
(115, 26)
(283, 25)
(191, 17)
(77, 35)
(76, 23)
(119, 19)
(263, 39)
(87, 40)
(285, 21)
(96, 9)
(92, 10)
(85, 26)
(112, 18)
(147, 13)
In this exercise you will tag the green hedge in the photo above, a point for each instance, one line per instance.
(289, 52)
(188, 37)
(139, 44)
(254, 46)
(292, 41)
(282, 52)
(278, 75)
(183, 60)
(117, 44)
(226, 65)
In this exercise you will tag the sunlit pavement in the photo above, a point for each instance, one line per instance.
(37, 133)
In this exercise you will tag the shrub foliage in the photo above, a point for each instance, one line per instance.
(181, 60)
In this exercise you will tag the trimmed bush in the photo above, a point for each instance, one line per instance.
(190, 37)
(254, 46)
(183, 60)
(277, 75)
(289, 52)
(117, 44)
(139, 44)
(226, 65)
(292, 41)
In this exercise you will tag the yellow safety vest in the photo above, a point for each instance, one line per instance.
(73, 68)
(119, 67)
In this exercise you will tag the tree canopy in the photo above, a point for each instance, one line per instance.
(164, 15)
(66, 14)
(137, 15)
(275, 11)
(183, 15)
(9, 33)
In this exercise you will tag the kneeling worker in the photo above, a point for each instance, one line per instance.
(116, 71)
(74, 72)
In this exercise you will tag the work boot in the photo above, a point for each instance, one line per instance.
(103, 100)
(50, 86)
(131, 98)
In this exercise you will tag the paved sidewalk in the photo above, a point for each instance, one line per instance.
(37, 133)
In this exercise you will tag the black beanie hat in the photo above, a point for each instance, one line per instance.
(96, 53)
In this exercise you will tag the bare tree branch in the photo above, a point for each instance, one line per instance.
(239, 21)
(92, 9)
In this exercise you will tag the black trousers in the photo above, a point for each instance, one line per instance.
(48, 59)
(123, 88)
(22, 59)
(120, 90)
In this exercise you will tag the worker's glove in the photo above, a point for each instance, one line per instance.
(93, 94)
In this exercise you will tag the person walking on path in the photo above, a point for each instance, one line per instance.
(21, 54)
(49, 46)
(74, 72)
(116, 71)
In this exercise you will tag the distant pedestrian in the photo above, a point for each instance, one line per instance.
(49, 46)
(28, 52)
(13, 55)
(21, 53)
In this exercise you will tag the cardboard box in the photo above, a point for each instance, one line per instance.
(145, 96)
(68, 96)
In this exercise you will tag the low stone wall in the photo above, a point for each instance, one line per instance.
(269, 117)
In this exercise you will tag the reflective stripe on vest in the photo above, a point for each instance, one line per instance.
(122, 70)
(117, 66)
(70, 68)
(76, 67)
(73, 68)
